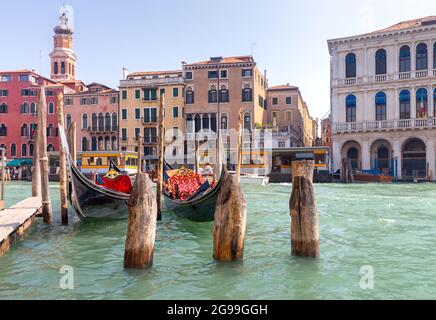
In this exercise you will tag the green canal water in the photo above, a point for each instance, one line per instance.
(391, 228)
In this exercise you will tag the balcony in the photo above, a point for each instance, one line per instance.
(102, 129)
(150, 121)
(418, 74)
(388, 125)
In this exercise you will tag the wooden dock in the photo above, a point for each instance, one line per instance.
(15, 220)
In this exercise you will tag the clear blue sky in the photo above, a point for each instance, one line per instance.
(290, 35)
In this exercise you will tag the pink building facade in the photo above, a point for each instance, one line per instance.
(95, 112)
(18, 118)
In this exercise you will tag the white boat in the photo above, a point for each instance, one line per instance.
(252, 178)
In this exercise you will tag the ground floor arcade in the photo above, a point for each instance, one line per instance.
(406, 155)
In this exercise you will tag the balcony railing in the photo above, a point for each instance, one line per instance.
(418, 74)
(386, 125)
(151, 82)
(103, 129)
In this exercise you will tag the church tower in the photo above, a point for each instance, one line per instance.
(63, 59)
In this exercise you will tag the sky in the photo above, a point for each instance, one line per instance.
(288, 38)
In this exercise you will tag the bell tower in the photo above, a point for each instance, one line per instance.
(63, 58)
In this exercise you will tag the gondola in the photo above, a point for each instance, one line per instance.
(92, 201)
(199, 207)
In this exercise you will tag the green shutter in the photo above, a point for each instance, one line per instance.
(138, 94)
(124, 95)
(175, 92)
(153, 94)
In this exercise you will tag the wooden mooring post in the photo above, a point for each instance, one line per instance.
(141, 228)
(230, 217)
(239, 148)
(72, 142)
(36, 168)
(160, 148)
(43, 157)
(139, 168)
(62, 164)
(3, 172)
(304, 215)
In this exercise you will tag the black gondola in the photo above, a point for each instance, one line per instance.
(92, 201)
(197, 208)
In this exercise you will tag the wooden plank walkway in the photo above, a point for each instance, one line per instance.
(15, 220)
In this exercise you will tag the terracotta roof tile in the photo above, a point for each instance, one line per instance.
(283, 87)
(415, 23)
(236, 59)
(151, 73)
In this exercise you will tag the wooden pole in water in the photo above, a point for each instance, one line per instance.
(197, 156)
(141, 228)
(160, 157)
(229, 221)
(239, 149)
(72, 141)
(304, 215)
(36, 173)
(139, 137)
(2, 199)
(43, 157)
(62, 163)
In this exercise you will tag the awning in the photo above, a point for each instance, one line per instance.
(19, 163)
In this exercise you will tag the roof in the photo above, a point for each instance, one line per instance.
(235, 59)
(282, 88)
(409, 24)
(18, 71)
(151, 73)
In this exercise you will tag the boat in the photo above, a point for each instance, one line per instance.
(198, 207)
(92, 201)
(252, 178)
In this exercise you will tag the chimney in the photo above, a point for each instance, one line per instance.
(125, 73)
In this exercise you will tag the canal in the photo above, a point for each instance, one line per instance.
(389, 228)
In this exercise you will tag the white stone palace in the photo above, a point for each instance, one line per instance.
(383, 100)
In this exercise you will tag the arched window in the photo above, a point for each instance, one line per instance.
(63, 67)
(247, 121)
(100, 144)
(380, 62)
(247, 93)
(114, 143)
(68, 121)
(205, 121)
(212, 95)
(84, 121)
(114, 122)
(94, 144)
(350, 107)
(24, 130)
(33, 108)
(405, 104)
(94, 122)
(50, 130)
(51, 108)
(107, 121)
(31, 150)
(84, 144)
(197, 121)
(213, 122)
(107, 143)
(380, 106)
(189, 124)
(434, 102)
(13, 150)
(24, 107)
(189, 96)
(100, 122)
(33, 127)
(405, 59)
(224, 122)
(350, 65)
(434, 55)
(50, 148)
(3, 130)
(421, 103)
(56, 68)
(24, 150)
(224, 94)
(421, 57)
(3, 108)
